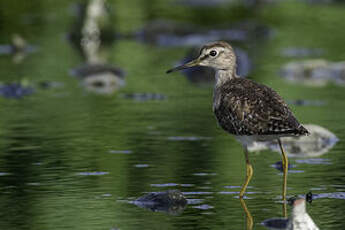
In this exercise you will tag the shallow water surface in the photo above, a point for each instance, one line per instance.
(72, 159)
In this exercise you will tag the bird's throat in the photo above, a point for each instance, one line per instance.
(223, 76)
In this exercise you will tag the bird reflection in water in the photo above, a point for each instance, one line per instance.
(96, 74)
(249, 218)
(299, 219)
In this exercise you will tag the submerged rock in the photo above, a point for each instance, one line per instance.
(319, 142)
(315, 72)
(301, 52)
(100, 78)
(205, 75)
(170, 33)
(275, 223)
(171, 202)
(15, 90)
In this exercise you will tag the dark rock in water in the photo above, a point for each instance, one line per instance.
(171, 202)
(301, 52)
(100, 78)
(15, 90)
(276, 223)
(169, 33)
(142, 97)
(201, 74)
(315, 72)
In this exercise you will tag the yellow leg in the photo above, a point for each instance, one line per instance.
(285, 172)
(249, 173)
(249, 219)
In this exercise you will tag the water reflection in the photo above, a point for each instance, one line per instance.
(91, 23)
(96, 75)
(249, 218)
(298, 220)
(21, 177)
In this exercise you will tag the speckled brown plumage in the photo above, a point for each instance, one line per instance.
(249, 108)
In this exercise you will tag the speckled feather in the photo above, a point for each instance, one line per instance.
(249, 108)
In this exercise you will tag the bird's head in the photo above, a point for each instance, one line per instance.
(218, 55)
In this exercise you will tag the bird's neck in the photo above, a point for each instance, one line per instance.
(222, 76)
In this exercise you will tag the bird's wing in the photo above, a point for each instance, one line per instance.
(258, 110)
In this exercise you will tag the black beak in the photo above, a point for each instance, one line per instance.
(185, 66)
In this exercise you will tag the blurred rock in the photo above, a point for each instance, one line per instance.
(142, 97)
(315, 72)
(205, 75)
(170, 33)
(18, 48)
(15, 90)
(100, 78)
(172, 202)
(319, 142)
(296, 52)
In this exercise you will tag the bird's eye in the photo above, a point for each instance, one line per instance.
(213, 53)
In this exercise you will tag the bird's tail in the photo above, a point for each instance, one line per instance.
(302, 131)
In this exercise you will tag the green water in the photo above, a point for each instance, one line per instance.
(52, 140)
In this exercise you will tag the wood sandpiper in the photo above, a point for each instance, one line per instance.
(244, 108)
